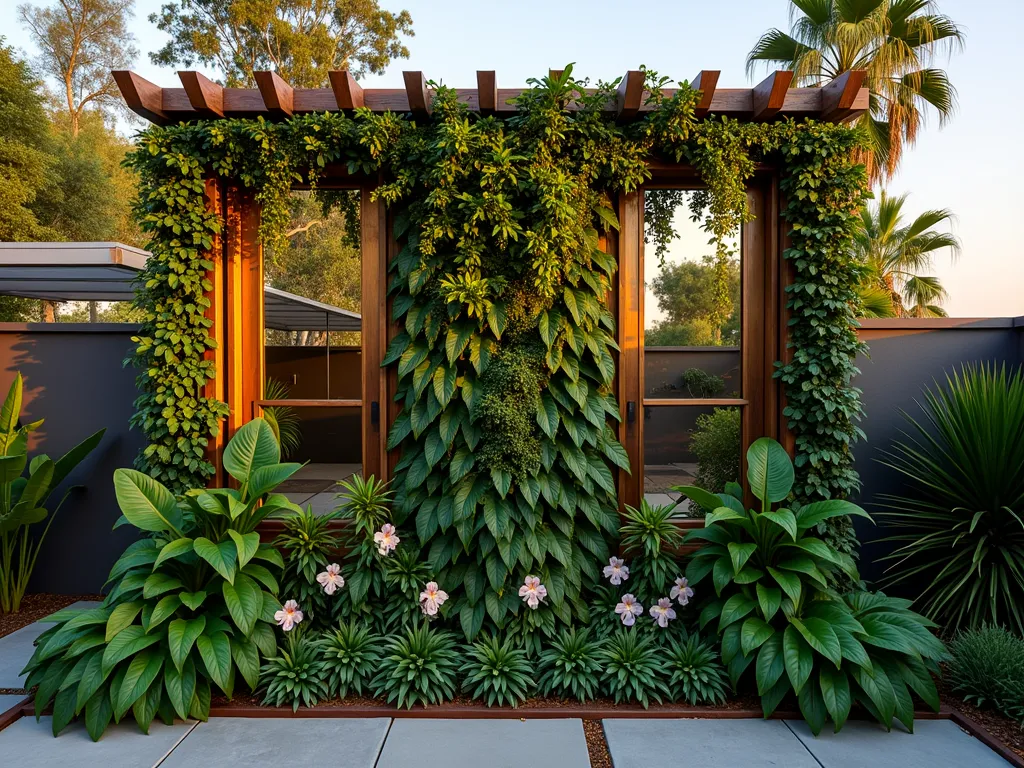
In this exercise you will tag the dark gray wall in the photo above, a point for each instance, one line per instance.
(74, 379)
(904, 357)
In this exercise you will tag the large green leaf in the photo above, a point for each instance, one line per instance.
(63, 466)
(816, 512)
(121, 618)
(244, 600)
(769, 470)
(770, 664)
(266, 478)
(142, 671)
(128, 642)
(754, 633)
(252, 447)
(180, 686)
(223, 557)
(146, 504)
(246, 654)
(215, 650)
(820, 636)
(783, 518)
(173, 549)
(246, 545)
(798, 656)
(835, 690)
(181, 636)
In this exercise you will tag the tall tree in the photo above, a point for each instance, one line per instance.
(301, 39)
(686, 294)
(896, 253)
(894, 40)
(80, 42)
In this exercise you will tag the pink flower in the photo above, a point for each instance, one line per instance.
(532, 591)
(432, 598)
(662, 613)
(629, 609)
(331, 579)
(681, 591)
(616, 571)
(386, 539)
(289, 616)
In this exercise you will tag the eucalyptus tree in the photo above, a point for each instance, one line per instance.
(895, 41)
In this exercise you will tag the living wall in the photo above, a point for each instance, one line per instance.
(507, 356)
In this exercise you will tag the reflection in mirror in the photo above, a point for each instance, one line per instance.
(312, 298)
(691, 301)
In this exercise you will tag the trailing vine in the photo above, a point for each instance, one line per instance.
(507, 354)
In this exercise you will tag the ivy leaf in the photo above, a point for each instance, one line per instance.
(444, 384)
(497, 318)
(456, 340)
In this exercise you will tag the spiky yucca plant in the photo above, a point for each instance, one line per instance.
(633, 668)
(421, 666)
(500, 672)
(698, 677)
(571, 666)
(351, 655)
(297, 675)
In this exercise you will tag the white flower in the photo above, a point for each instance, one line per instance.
(386, 539)
(432, 598)
(682, 591)
(662, 613)
(616, 571)
(288, 617)
(629, 609)
(532, 591)
(331, 579)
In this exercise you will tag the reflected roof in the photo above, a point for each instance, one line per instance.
(107, 271)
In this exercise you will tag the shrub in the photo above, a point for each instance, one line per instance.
(308, 546)
(500, 671)
(297, 675)
(421, 666)
(570, 666)
(774, 606)
(987, 669)
(697, 675)
(960, 525)
(650, 537)
(23, 500)
(191, 604)
(716, 443)
(633, 668)
(351, 657)
(700, 383)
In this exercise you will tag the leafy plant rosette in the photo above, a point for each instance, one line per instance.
(776, 611)
(192, 604)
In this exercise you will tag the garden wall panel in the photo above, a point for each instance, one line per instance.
(75, 380)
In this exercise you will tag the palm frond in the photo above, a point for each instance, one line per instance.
(283, 420)
(875, 302)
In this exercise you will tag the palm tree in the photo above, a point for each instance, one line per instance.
(895, 255)
(893, 40)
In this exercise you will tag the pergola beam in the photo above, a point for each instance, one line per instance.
(843, 99)
(278, 96)
(769, 95)
(347, 92)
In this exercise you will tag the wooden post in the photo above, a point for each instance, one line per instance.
(373, 217)
(215, 387)
(631, 371)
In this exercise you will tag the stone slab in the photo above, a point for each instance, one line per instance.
(427, 743)
(28, 744)
(705, 744)
(17, 648)
(934, 744)
(240, 742)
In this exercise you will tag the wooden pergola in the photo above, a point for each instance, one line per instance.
(236, 307)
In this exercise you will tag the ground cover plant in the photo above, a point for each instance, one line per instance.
(958, 526)
(779, 618)
(191, 606)
(987, 668)
(23, 499)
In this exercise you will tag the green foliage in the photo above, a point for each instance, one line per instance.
(687, 294)
(987, 669)
(420, 666)
(497, 672)
(191, 605)
(958, 523)
(297, 675)
(283, 419)
(307, 545)
(717, 442)
(776, 612)
(700, 383)
(633, 668)
(351, 657)
(570, 666)
(650, 539)
(23, 499)
(697, 676)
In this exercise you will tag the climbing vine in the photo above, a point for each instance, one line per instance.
(506, 356)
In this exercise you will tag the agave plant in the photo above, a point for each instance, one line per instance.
(296, 675)
(497, 672)
(420, 666)
(960, 523)
(773, 605)
(191, 606)
(633, 668)
(571, 666)
(697, 675)
(352, 656)
(23, 500)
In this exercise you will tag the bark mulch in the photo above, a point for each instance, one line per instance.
(600, 757)
(1008, 731)
(35, 607)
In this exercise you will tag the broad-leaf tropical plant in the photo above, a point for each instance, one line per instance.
(774, 610)
(23, 499)
(894, 40)
(191, 606)
(896, 253)
(959, 523)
